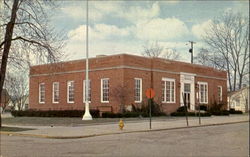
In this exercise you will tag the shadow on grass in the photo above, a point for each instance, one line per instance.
(14, 129)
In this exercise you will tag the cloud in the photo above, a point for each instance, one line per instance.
(139, 13)
(161, 29)
(106, 6)
(97, 9)
(77, 50)
(173, 2)
(145, 25)
(103, 39)
(98, 32)
(74, 11)
(199, 30)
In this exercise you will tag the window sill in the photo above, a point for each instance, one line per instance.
(88, 102)
(104, 101)
(168, 102)
(138, 101)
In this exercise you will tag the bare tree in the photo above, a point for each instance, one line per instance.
(155, 50)
(119, 93)
(28, 34)
(17, 86)
(228, 38)
(5, 99)
(208, 58)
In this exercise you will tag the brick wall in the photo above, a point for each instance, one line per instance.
(121, 71)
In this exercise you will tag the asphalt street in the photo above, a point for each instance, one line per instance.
(230, 140)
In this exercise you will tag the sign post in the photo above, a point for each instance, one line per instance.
(198, 101)
(185, 106)
(150, 93)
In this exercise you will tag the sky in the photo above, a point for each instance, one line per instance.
(127, 26)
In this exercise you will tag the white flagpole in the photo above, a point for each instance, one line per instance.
(87, 115)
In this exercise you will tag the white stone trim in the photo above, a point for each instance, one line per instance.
(190, 74)
(125, 67)
(188, 78)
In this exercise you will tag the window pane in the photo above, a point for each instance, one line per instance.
(71, 91)
(41, 93)
(56, 92)
(168, 91)
(89, 91)
(163, 90)
(203, 93)
(220, 93)
(138, 90)
(105, 90)
(172, 92)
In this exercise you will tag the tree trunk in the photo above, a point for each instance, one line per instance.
(18, 105)
(235, 78)
(240, 80)
(7, 44)
(229, 80)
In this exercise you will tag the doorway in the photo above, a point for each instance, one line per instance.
(187, 92)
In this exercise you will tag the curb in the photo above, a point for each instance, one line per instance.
(111, 133)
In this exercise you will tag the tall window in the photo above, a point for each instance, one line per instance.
(203, 92)
(220, 93)
(42, 93)
(55, 92)
(138, 90)
(70, 93)
(105, 90)
(168, 90)
(84, 91)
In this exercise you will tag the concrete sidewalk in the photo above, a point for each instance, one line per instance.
(64, 132)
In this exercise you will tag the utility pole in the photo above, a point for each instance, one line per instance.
(191, 50)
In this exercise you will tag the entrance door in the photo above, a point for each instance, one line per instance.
(187, 92)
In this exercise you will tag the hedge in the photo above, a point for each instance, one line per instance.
(232, 111)
(220, 113)
(180, 114)
(50, 113)
(129, 114)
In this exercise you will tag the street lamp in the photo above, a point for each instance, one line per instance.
(87, 115)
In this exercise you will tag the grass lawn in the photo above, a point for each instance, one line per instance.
(65, 121)
(60, 121)
(14, 129)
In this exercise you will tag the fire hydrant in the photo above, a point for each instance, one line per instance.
(121, 124)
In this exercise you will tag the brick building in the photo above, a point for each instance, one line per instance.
(123, 79)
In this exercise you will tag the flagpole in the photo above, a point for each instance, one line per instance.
(87, 115)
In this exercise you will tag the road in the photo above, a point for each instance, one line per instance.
(218, 141)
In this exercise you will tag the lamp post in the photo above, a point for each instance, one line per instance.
(87, 115)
